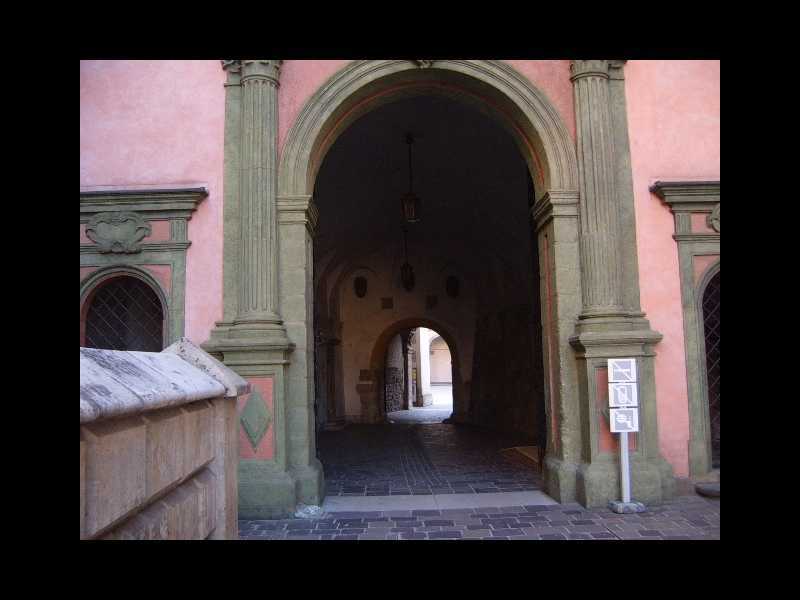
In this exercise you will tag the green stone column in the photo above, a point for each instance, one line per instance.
(607, 327)
(252, 337)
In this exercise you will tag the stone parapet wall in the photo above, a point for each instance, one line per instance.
(158, 445)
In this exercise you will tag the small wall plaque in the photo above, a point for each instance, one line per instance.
(622, 370)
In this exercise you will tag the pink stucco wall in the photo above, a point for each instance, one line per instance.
(161, 123)
(552, 78)
(673, 120)
(300, 79)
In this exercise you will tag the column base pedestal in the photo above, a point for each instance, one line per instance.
(598, 483)
(560, 479)
(598, 338)
(265, 492)
(309, 483)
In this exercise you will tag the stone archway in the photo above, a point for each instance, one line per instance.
(548, 149)
(372, 383)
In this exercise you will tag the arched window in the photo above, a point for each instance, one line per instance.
(123, 313)
(711, 329)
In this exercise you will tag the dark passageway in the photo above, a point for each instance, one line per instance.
(382, 460)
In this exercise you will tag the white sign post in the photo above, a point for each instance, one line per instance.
(623, 401)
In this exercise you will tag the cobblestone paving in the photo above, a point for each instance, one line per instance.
(685, 518)
(419, 415)
(430, 458)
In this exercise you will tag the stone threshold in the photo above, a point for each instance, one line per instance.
(333, 504)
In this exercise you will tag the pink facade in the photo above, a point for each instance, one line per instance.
(161, 124)
(673, 121)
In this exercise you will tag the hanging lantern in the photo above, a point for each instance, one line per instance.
(410, 207)
(410, 201)
(360, 286)
(407, 276)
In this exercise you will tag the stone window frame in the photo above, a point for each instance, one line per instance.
(175, 206)
(98, 279)
(685, 199)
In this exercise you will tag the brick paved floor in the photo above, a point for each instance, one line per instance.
(685, 518)
(430, 458)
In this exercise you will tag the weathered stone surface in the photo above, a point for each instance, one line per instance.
(198, 444)
(195, 356)
(225, 468)
(185, 513)
(165, 449)
(115, 470)
(115, 384)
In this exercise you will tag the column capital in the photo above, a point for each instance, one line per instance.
(261, 69)
(588, 68)
(234, 66)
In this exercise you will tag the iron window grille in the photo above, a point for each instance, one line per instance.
(711, 314)
(125, 314)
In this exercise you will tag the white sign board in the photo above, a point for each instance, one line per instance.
(624, 420)
(622, 370)
(622, 394)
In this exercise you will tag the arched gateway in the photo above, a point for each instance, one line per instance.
(587, 316)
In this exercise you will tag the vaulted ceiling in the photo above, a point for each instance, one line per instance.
(468, 173)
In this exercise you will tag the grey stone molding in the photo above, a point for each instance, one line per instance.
(173, 205)
(685, 198)
(299, 209)
(156, 203)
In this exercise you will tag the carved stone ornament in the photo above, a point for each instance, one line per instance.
(118, 232)
(256, 419)
(423, 64)
(712, 220)
(260, 68)
(233, 65)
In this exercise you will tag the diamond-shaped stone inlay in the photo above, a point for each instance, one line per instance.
(255, 418)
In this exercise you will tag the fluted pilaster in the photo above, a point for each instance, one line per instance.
(258, 261)
(599, 215)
